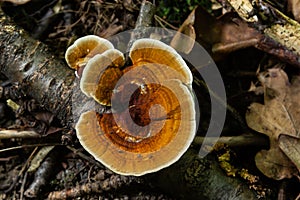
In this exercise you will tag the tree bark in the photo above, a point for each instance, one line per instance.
(44, 77)
(48, 80)
(200, 178)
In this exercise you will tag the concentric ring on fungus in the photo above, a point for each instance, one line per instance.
(153, 116)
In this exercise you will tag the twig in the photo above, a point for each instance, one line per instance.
(143, 22)
(28, 161)
(7, 134)
(298, 197)
(23, 186)
(161, 21)
(29, 145)
(112, 183)
(241, 140)
(43, 175)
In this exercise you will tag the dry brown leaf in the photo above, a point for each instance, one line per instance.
(276, 82)
(271, 119)
(184, 39)
(291, 147)
(225, 34)
(228, 33)
(280, 115)
(294, 7)
(275, 164)
(39, 157)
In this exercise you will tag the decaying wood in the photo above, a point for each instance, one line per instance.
(273, 23)
(234, 141)
(6, 134)
(43, 175)
(143, 22)
(49, 81)
(31, 63)
(112, 183)
(230, 33)
(201, 179)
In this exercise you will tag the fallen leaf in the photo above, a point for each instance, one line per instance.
(39, 157)
(184, 39)
(224, 34)
(44, 116)
(271, 119)
(294, 8)
(279, 117)
(275, 164)
(229, 32)
(276, 82)
(291, 147)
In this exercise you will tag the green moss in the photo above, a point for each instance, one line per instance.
(195, 172)
(175, 12)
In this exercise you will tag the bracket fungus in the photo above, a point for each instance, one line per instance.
(84, 48)
(152, 122)
(100, 75)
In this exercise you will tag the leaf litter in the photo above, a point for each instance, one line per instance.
(278, 118)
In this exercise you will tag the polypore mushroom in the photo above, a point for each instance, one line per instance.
(157, 124)
(101, 74)
(84, 48)
(146, 50)
(103, 70)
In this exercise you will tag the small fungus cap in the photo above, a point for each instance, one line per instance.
(154, 51)
(84, 48)
(153, 120)
(100, 75)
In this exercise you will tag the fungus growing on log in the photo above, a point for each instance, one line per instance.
(152, 122)
(100, 75)
(84, 48)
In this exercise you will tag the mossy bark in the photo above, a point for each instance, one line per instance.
(201, 178)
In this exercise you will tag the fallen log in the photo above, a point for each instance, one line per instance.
(43, 77)
(50, 82)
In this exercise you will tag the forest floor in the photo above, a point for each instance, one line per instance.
(30, 169)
